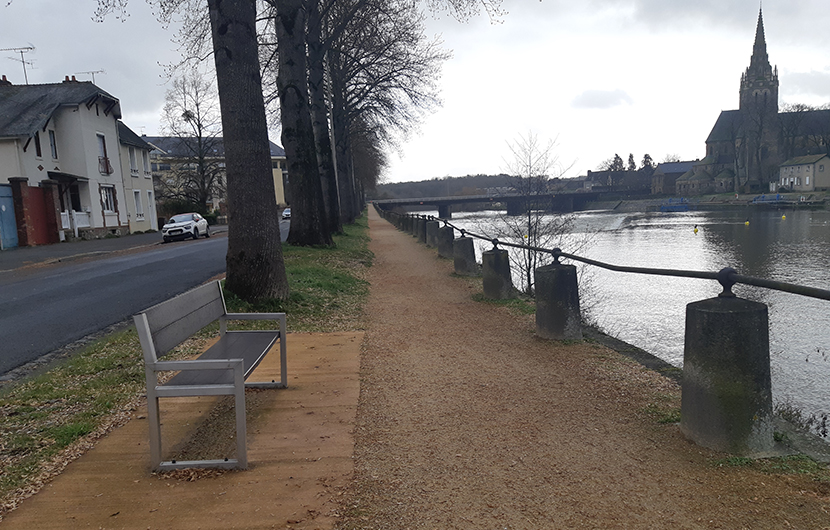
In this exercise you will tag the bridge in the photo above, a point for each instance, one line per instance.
(516, 203)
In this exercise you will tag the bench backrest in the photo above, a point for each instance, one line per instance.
(173, 321)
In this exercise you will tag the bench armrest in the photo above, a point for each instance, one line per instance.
(277, 317)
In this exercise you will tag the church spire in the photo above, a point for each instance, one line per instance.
(759, 83)
(759, 49)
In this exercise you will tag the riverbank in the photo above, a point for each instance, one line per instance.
(722, 201)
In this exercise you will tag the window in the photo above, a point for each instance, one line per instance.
(133, 164)
(53, 145)
(108, 198)
(38, 152)
(807, 181)
(821, 168)
(149, 202)
(145, 157)
(104, 166)
(139, 211)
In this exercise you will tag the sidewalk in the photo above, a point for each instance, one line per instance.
(300, 449)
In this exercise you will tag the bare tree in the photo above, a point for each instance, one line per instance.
(192, 121)
(531, 165)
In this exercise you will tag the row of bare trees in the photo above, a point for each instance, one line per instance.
(349, 79)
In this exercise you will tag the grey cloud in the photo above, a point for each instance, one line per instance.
(601, 99)
(806, 83)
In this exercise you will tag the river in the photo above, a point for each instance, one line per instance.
(649, 311)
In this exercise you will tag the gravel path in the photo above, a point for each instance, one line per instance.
(467, 420)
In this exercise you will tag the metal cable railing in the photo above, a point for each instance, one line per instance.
(727, 276)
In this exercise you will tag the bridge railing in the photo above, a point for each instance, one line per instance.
(726, 401)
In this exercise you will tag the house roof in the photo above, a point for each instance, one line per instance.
(127, 137)
(801, 160)
(670, 168)
(182, 147)
(25, 109)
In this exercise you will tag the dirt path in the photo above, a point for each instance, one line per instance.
(467, 420)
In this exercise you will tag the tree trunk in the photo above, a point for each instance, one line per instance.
(255, 267)
(341, 139)
(320, 120)
(308, 215)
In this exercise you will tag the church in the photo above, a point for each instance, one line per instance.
(754, 148)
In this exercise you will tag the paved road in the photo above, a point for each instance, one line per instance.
(53, 295)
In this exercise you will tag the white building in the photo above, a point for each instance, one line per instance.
(60, 155)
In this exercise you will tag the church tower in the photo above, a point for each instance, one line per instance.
(759, 84)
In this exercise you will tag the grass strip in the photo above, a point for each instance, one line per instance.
(47, 420)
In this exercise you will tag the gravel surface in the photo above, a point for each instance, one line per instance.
(467, 420)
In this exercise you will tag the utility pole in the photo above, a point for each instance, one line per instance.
(92, 73)
(21, 51)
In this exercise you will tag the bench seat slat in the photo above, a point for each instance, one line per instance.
(250, 346)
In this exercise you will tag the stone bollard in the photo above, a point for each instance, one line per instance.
(495, 267)
(422, 230)
(557, 303)
(432, 233)
(464, 257)
(726, 401)
(445, 237)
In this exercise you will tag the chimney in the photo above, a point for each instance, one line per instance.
(74, 80)
(66, 79)
(4, 81)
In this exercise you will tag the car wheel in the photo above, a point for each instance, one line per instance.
(207, 232)
(195, 233)
(166, 239)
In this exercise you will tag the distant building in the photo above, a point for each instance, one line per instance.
(171, 153)
(666, 174)
(805, 173)
(746, 146)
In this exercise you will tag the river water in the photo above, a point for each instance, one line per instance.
(649, 311)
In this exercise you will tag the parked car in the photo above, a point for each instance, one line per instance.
(286, 214)
(185, 225)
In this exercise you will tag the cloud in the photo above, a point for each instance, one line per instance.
(807, 83)
(601, 99)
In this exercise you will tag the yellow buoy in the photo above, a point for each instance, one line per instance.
(783, 217)
(747, 222)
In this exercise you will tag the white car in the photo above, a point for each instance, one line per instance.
(286, 214)
(185, 225)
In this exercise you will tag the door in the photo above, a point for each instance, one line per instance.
(8, 226)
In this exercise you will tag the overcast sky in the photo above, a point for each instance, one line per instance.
(600, 76)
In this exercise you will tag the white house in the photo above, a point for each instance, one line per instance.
(59, 154)
(138, 180)
(805, 173)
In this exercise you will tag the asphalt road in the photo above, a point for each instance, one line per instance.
(54, 295)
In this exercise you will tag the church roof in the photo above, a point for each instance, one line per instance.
(727, 127)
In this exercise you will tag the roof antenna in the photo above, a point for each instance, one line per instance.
(92, 73)
(21, 51)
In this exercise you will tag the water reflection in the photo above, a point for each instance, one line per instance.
(649, 311)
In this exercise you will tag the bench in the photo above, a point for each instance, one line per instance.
(221, 370)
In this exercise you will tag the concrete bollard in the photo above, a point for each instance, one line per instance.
(726, 401)
(432, 233)
(495, 267)
(445, 237)
(557, 303)
(464, 257)
(422, 230)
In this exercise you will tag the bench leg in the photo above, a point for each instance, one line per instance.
(154, 420)
(241, 427)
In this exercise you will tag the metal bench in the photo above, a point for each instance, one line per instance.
(221, 370)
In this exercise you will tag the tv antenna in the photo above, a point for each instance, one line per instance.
(92, 73)
(21, 51)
